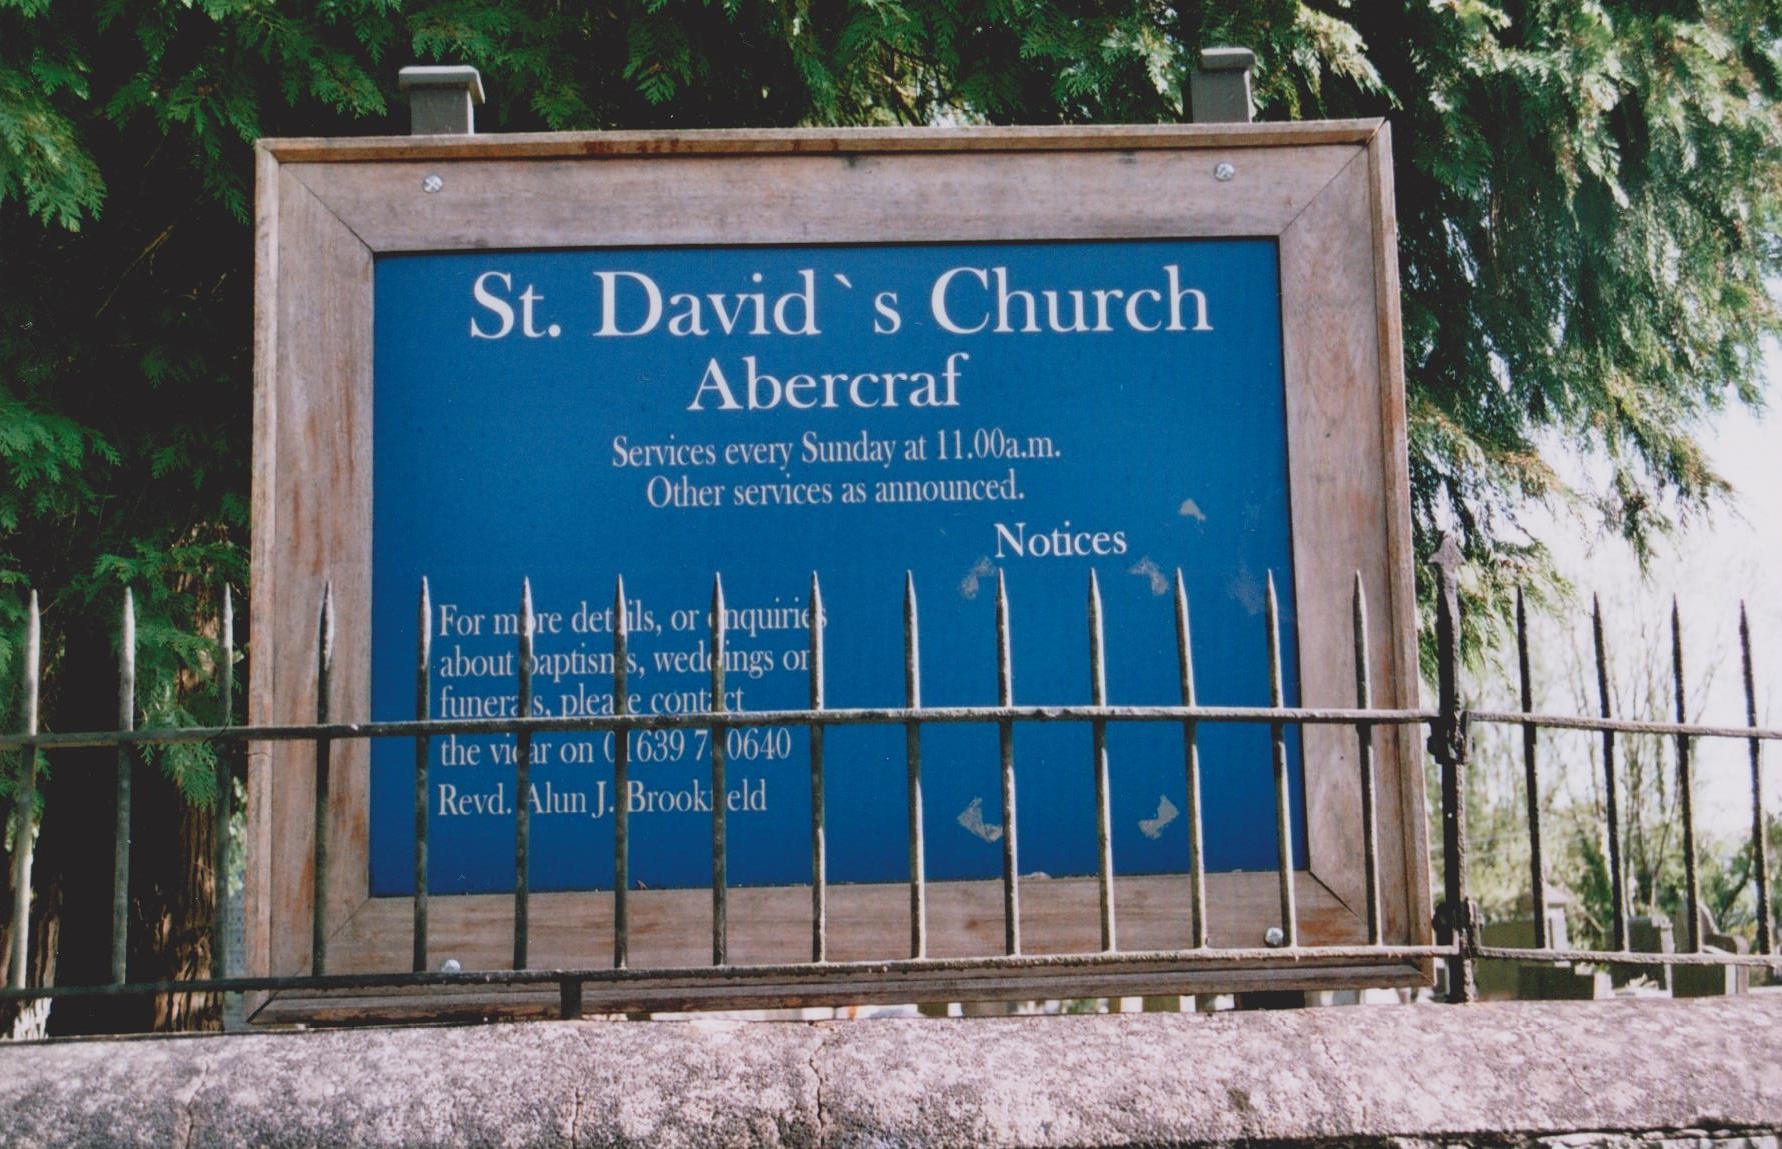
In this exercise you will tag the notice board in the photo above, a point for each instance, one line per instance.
(894, 361)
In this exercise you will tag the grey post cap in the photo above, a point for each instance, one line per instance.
(1227, 59)
(454, 77)
(1219, 90)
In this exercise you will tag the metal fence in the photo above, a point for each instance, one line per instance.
(1449, 723)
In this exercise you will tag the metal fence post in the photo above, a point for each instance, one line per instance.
(1457, 918)
(223, 810)
(318, 938)
(25, 805)
(120, 858)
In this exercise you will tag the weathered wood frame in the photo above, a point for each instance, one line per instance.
(326, 208)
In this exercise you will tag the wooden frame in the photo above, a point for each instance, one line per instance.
(326, 208)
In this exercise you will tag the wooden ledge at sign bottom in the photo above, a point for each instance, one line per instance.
(771, 925)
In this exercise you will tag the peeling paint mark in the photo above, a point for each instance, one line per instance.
(982, 569)
(1191, 510)
(1147, 567)
(972, 818)
(1152, 828)
(1247, 589)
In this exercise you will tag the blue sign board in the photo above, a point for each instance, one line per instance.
(1039, 410)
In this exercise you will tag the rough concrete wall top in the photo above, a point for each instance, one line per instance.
(1495, 1073)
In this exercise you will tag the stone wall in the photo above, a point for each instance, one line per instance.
(1648, 1073)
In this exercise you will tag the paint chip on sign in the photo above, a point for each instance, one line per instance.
(1166, 813)
(972, 818)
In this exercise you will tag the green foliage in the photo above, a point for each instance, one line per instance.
(1587, 195)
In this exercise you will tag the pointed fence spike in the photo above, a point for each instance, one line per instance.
(325, 632)
(720, 762)
(1456, 918)
(321, 813)
(1184, 642)
(523, 786)
(1005, 669)
(1364, 739)
(1283, 797)
(120, 860)
(621, 778)
(1005, 731)
(1611, 789)
(1760, 847)
(912, 749)
(1197, 877)
(223, 810)
(819, 838)
(1531, 780)
(423, 762)
(1685, 787)
(815, 630)
(1098, 680)
(24, 832)
(912, 644)
(1104, 825)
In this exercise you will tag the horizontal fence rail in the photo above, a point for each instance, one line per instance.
(870, 716)
(1448, 726)
(704, 719)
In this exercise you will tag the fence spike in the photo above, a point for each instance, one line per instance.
(25, 829)
(1611, 789)
(1005, 738)
(120, 859)
(621, 779)
(1197, 875)
(1364, 738)
(720, 761)
(1448, 742)
(523, 787)
(1104, 824)
(819, 840)
(1283, 796)
(912, 750)
(1692, 889)
(1531, 781)
(423, 763)
(318, 938)
(223, 810)
(1760, 846)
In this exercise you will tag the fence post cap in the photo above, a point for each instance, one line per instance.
(1219, 87)
(1227, 59)
(457, 77)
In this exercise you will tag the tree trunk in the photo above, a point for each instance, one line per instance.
(73, 883)
(171, 887)
(25, 1021)
(174, 895)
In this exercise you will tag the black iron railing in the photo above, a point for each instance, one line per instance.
(1458, 929)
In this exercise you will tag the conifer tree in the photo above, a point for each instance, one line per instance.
(1587, 197)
